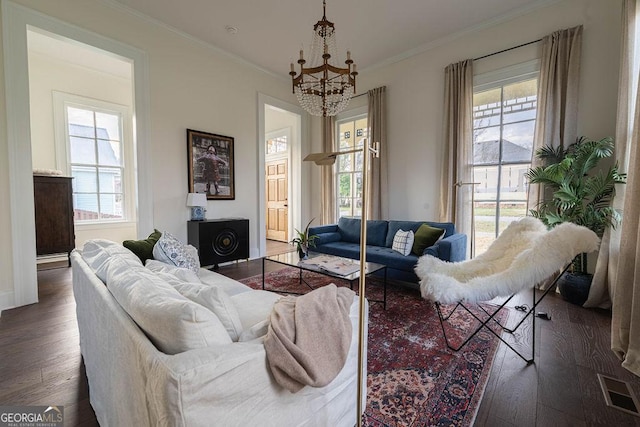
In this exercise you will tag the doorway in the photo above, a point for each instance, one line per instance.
(277, 194)
(16, 20)
(83, 128)
(281, 130)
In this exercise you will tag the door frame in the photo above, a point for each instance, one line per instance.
(16, 20)
(299, 177)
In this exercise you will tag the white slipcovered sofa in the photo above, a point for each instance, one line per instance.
(155, 357)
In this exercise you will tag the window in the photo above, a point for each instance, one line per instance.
(504, 116)
(351, 135)
(96, 156)
(277, 144)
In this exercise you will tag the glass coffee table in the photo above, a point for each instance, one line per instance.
(329, 265)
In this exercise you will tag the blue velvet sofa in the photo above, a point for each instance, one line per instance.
(343, 239)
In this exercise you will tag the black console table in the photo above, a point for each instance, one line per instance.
(219, 240)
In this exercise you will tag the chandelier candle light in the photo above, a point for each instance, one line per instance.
(324, 89)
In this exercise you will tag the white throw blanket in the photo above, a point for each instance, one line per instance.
(309, 337)
(483, 280)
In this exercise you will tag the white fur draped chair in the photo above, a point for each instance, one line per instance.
(523, 256)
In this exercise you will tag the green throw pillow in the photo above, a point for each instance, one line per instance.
(424, 237)
(143, 248)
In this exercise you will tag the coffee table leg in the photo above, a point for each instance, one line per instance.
(263, 273)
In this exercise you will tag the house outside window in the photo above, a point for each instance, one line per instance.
(352, 132)
(504, 114)
(93, 149)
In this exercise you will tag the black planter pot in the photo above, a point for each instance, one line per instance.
(302, 254)
(575, 287)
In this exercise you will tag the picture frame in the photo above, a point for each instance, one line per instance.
(211, 165)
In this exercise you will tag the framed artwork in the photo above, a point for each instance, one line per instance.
(211, 168)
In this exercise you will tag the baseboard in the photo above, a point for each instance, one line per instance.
(7, 301)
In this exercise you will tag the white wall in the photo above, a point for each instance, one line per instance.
(6, 260)
(192, 85)
(415, 92)
(48, 74)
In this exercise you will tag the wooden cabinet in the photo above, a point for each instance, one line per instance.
(219, 240)
(53, 200)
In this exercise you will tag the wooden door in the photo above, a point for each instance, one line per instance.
(276, 194)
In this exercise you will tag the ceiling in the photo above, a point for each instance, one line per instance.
(270, 33)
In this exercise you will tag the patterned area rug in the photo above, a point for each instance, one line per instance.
(413, 379)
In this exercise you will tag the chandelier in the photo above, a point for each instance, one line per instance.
(324, 89)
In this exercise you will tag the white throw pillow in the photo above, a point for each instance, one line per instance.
(230, 286)
(170, 250)
(216, 300)
(182, 274)
(403, 242)
(254, 307)
(173, 322)
(98, 254)
(259, 330)
(192, 252)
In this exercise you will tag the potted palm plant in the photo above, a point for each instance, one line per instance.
(304, 241)
(574, 194)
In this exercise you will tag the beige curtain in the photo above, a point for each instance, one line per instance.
(378, 196)
(557, 112)
(457, 172)
(604, 277)
(328, 187)
(625, 322)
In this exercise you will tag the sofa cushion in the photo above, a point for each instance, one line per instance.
(98, 253)
(343, 249)
(403, 242)
(426, 236)
(394, 226)
(183, 274)
(391, 258)
(448, 227)
(143, 248)
(230, 286)
(349, 229)
(216, 300)
(170, 250)
(173, 323)
(254, 307)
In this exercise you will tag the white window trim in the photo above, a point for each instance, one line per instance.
(61, 101)
(506, 75)
(346, 116)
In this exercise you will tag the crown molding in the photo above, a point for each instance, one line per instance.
(462, 33)
(126, 9)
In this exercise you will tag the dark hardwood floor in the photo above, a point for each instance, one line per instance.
(40, 362)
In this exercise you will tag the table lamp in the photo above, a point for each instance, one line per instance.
(197, 202)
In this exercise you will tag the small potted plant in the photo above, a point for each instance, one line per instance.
(304, 241)
(574, 195)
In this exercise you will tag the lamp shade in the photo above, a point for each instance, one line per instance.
(197, 199)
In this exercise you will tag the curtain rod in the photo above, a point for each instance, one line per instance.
(360, 94)
(507, 50)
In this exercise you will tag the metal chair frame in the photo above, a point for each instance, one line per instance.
(492, 317)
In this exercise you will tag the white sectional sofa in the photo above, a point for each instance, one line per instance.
(155, 357)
